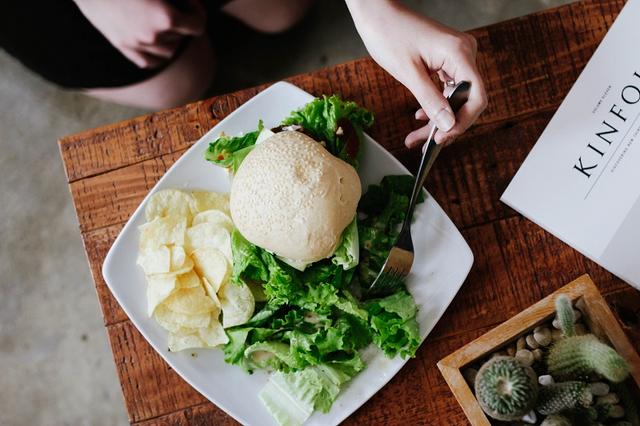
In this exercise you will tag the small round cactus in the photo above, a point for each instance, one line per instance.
(506, 389)
(559, 397)
(582, 355)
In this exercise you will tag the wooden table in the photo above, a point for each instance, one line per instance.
(528, 64)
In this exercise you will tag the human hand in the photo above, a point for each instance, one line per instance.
(147, 32)
(411, 48)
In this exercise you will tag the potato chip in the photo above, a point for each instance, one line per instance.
(211, 291)
(159, 287)
(155, 260)
(190, 301)
(204, 200)
(213, 335)
(173, 321)
(185, 252)
(209, 235)
(216, 217)
(179, 342)
(161, 231)
(169, 202)
(211, 264)
(178, 257)
(188, 280)
(237, 303)
(186, 267)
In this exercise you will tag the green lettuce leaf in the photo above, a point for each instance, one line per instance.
(292, 397)
(347, 254)
(382, 209)
(394, 325)
(230, 151)
(323, 116)
(247, 261)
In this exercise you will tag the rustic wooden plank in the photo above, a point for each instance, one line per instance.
(150, 387)
(625, 305)
(537, 258)
(517, 263)
(97, 244)
(205, 414)
(111, 198)
(528, 64)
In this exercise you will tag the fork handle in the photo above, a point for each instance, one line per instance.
(428, 158)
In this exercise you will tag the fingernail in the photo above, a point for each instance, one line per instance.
(445, 120)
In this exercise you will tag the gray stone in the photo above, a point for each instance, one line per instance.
(525, 357)
(599, 388)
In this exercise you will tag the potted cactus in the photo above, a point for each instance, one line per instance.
(551, 365)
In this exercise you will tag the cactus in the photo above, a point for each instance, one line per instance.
(506, 389)
(582, 355)
(564, 314)
(563, 396)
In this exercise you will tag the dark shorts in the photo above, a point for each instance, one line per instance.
(56, 41)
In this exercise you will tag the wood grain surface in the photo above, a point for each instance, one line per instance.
(528, 64)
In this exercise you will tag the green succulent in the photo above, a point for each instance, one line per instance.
(506, 389)
(559, 397)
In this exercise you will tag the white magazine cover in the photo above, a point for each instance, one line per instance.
(581, 181)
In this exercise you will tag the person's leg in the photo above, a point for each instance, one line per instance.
(268, 16)
(184, 80)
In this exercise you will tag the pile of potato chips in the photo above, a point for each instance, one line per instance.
(185, 251)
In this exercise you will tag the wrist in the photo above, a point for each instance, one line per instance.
(364, 8)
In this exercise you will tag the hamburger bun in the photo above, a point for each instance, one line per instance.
(292, 197)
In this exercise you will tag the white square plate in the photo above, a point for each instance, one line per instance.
(442, 261)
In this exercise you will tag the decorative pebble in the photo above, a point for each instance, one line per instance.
(580, 329)
(531, 342)
(616, 412)
(530, 418)
(555, 420)
(599, 388)
(525, 357)
(542, 336)
(555, 323)
(470, 376)
(546, 380)
(610, 398)
(537, 354)
(521, 343)
(511, 350)
(499, 353)
(556, 335)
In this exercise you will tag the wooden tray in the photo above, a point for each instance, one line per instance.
(597, 316)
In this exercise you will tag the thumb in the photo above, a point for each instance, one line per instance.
(433, 102)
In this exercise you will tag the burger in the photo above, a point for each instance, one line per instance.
(292, 197)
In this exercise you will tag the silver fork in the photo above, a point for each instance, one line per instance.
(400, 259)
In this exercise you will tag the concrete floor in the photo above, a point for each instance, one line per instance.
(55, 360)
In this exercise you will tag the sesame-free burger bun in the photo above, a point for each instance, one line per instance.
(292, 197)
